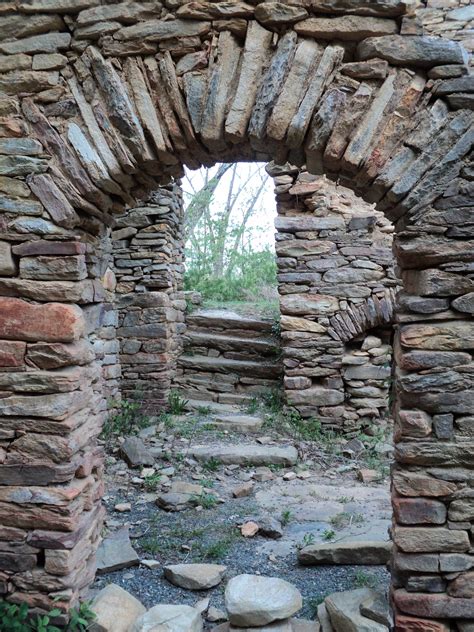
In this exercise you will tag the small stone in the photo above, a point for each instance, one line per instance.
(123, 507)
(369, 476)
(289, 476)
(243, 490)
(255, 601)
(214, 615)
(249, 529)
(263, 474)
(195, 576)
(202, 605)
(151, 564)
(136, 453)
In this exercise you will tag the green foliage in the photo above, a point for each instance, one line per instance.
(206, 500)
(286, 517)
(211, 465)
(364, 580)
(17, 618)
(128, 419)
(176, 403)
(152, 482)
(329, 534)
(253, 274)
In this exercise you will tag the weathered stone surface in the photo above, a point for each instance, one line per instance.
(462, 510)
(387, 8)
(418, 484)
(254, 600)
(194, 576)
(115, 609)
(308, 304)
(428, 540)
(247, 454)
(71, 268)
(344, 611)
(316, 396)
(136, 453)
(277, 13)
(421, 51)
(371, 69)
(12, 354)
(7, 265)
(51, 322)
(462, 587)
(356, 552)
(48, 43)
(437, 606)
(409, 511)
(446, 336)
(54, 200)
(116, 552)
(348, 27)
(56, 355)
(169, 618)
(157, 30)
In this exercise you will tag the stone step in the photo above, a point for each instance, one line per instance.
(213, 407)
(242, 454)
(228, 320)
(226, 365)
(224, 342)
(236, 423)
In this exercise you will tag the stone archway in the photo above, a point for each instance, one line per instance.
(100, 104)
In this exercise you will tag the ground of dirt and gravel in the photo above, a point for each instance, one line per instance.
(320, 499)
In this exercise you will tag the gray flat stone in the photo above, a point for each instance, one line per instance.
(195, 576)
(236, 423)
(246, 454)
(116, 552)
(115, 609)
(169, 618)
(356, 552)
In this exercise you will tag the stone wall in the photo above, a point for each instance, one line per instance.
(337, 284)
(58, 366)
(99, 104)
(148, 262)
(228, 358)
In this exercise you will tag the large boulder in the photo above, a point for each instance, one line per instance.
(169, 618)
(194, 576)
(115, 610)
(253, 600)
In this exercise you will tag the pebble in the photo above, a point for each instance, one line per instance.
(123, 507)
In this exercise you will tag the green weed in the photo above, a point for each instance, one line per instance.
(127, 420)
(329, 534)
(286, 517)
(176, 403)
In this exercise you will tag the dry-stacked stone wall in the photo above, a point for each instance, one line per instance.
(148, 263)
(337, 286)
(101, 103)
(229, 358)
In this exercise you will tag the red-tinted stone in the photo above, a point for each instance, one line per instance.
(44, 247)
(12, 353)
(419, 511)
(412, 624)
(462, 586)
(49, 322)
(413, 423)
(433, 606)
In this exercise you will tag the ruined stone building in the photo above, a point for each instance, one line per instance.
(101, 106)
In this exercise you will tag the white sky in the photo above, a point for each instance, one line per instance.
(261, 224)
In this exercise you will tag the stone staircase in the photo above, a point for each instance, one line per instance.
(228, 359)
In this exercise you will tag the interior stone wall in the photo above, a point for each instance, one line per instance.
(148, 263)
(337, 286)
(100, 103)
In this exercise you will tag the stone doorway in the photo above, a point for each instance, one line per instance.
(94, 120)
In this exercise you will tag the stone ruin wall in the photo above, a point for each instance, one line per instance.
(148, 262)
(337, 286)
(58, 200)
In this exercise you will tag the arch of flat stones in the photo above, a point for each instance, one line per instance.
(100, 104)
